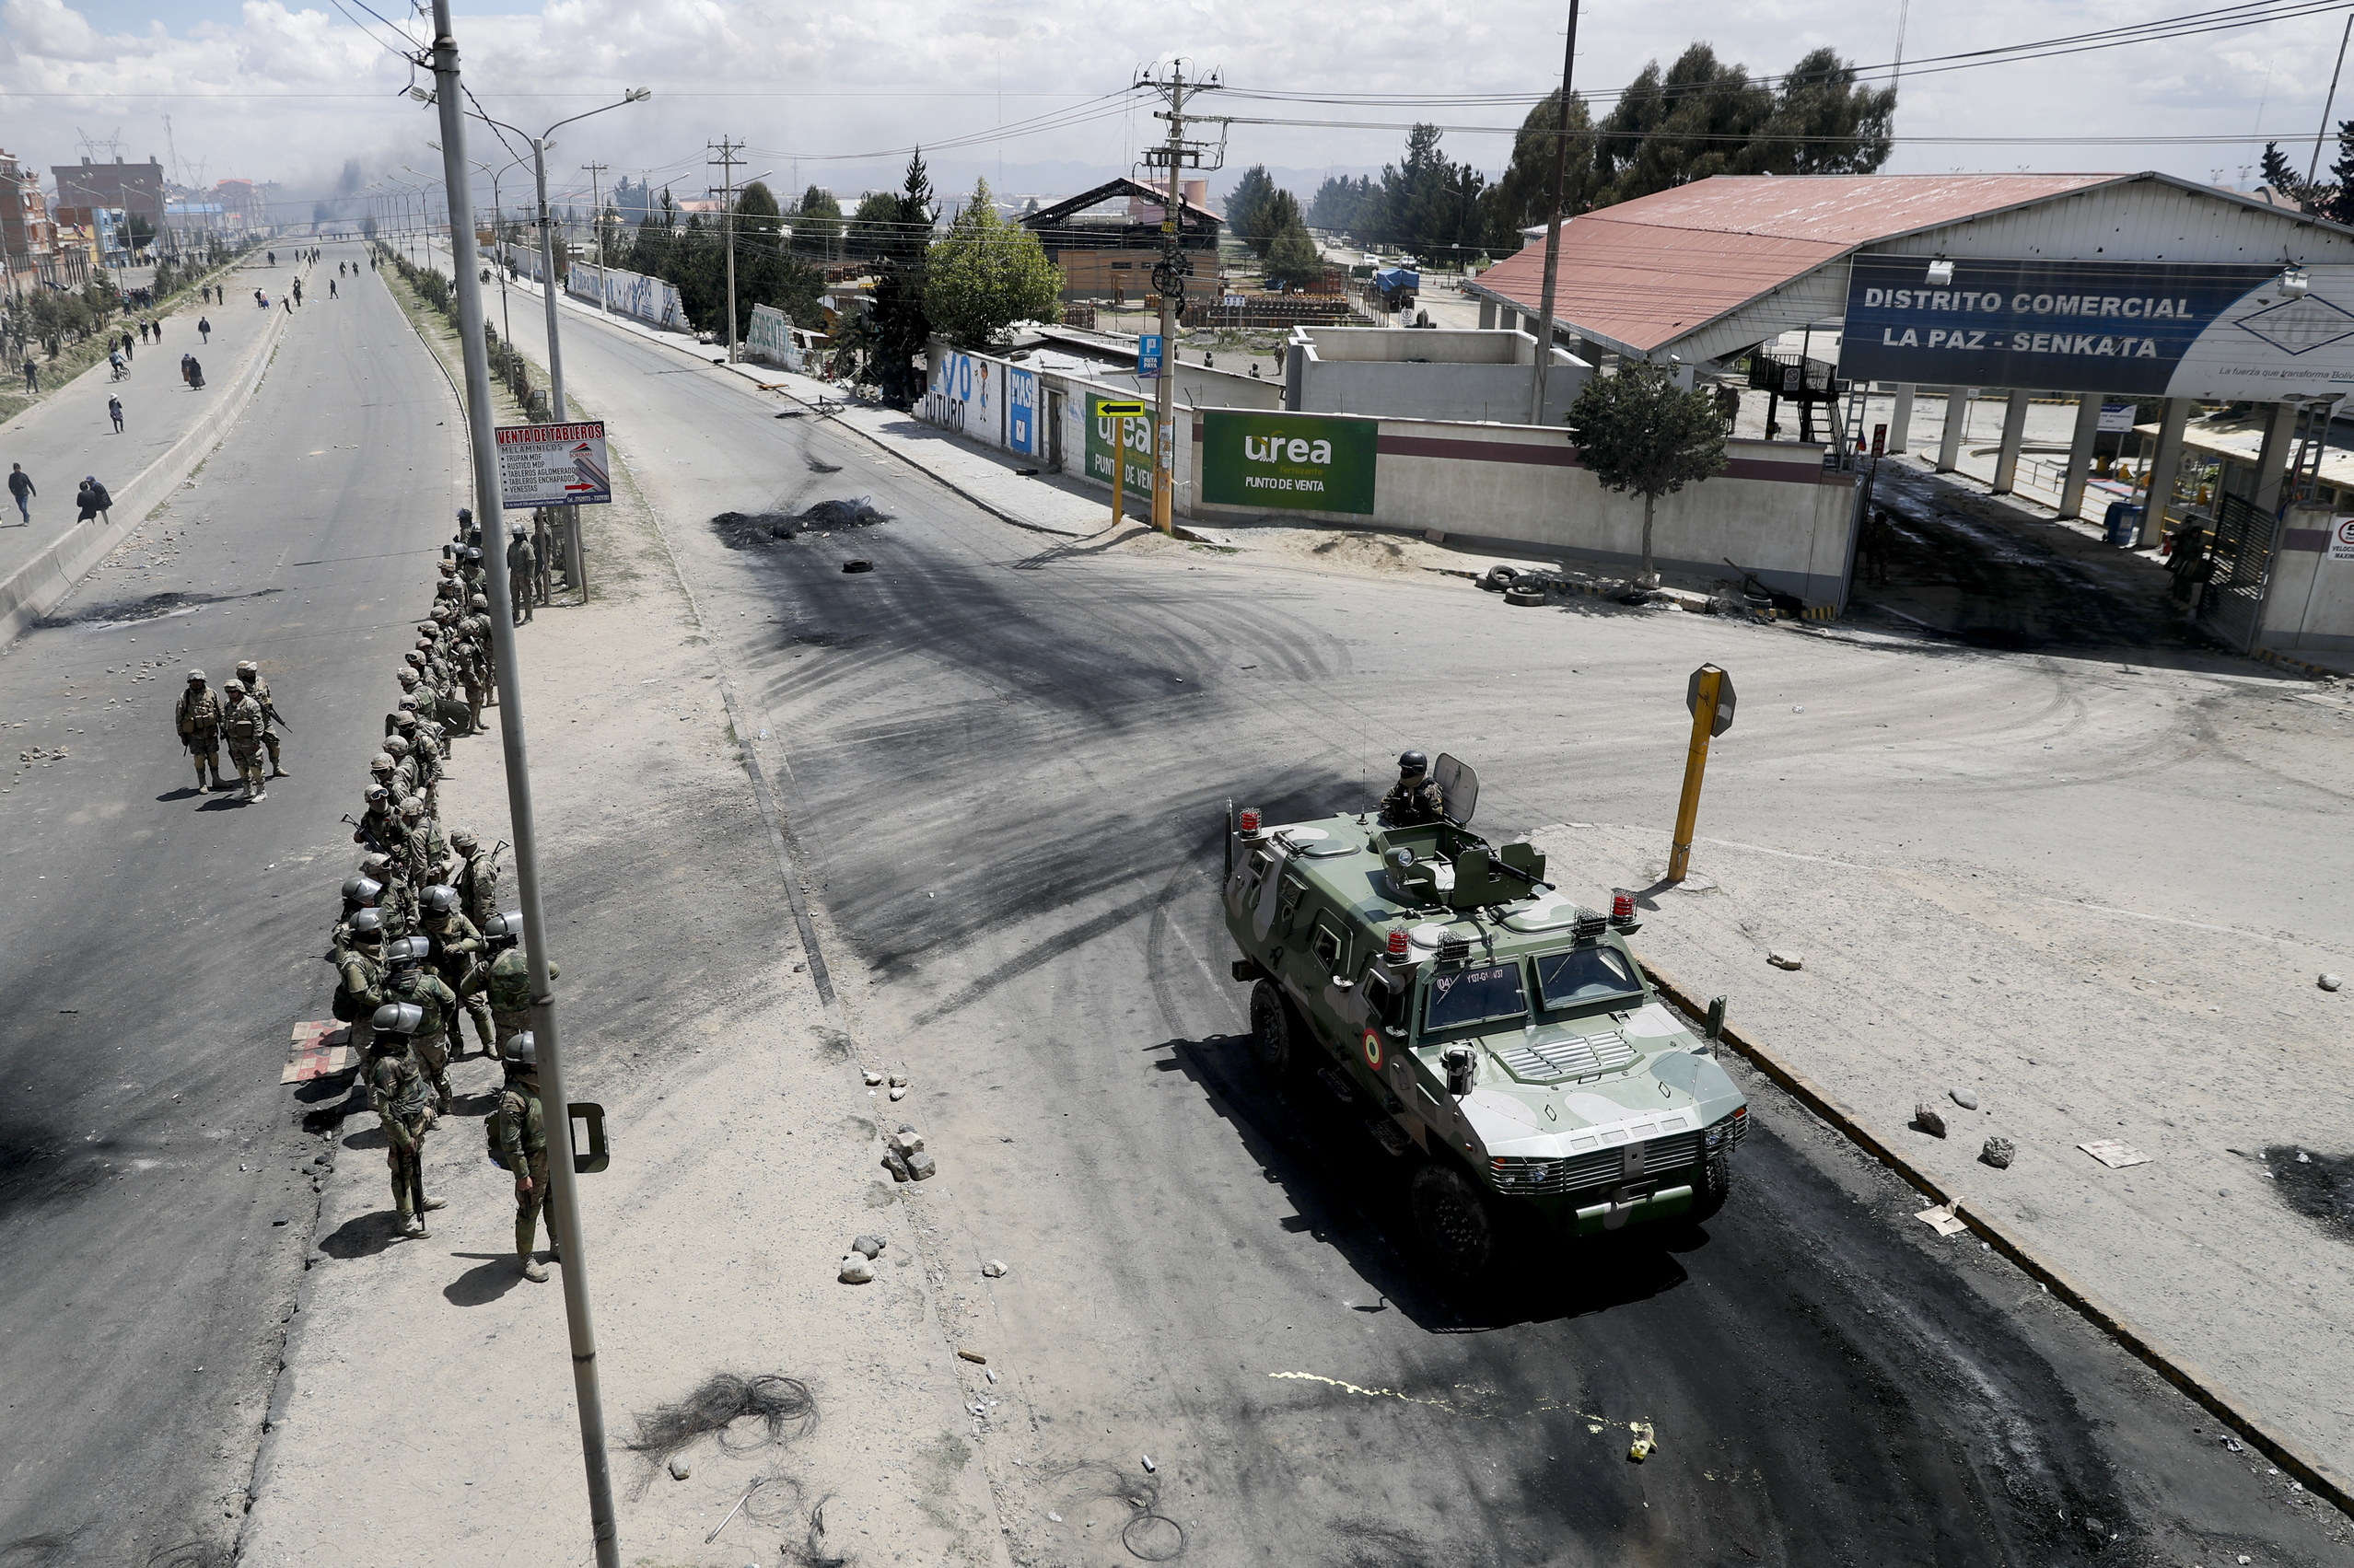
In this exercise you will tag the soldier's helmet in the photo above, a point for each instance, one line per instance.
(232, 687)
(465, 514)
(395, 747)
(522, 1049)
(408, 677)
(368, 925)
(400, 1018)
(508, 927)
(463, 838)
(246, 667)
(414, 659)
(195, 677)
(380, 763)
(377, 795)
(363, 890)
(425, 629)
(412, 806)
(479, 602)
(1412, 762)
(425, 644)
(516, 530)
(440, 898)
(376, 865)
(408, 703)
(473, 552)
(406, 951)
(447, 567)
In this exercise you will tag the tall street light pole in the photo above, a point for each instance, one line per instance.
(563, 1186)
(575, 567)
(1553, 228)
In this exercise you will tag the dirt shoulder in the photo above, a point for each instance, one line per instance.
(430, 1375)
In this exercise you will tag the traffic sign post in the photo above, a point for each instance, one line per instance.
(1709, 696)
(1148, 356)
(1119, 454)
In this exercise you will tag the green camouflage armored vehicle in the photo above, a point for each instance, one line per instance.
(1501, 1035)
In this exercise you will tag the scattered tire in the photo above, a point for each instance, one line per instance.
(1525, 594)
(1496, 579)
(1708, 1193)
(858, 565)
(1452, 1215)
(1275, 1034)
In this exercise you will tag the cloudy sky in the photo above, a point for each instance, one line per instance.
(309, 94)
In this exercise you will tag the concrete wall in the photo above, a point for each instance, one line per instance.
(2309, 604)
(1424, 373)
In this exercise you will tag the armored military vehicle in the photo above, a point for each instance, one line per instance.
(1496, 1032)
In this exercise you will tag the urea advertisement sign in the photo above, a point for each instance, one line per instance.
(1302, 462)
(1130, 438)
(2188, 330)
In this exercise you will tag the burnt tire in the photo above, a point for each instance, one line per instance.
(1454, 1217)
(1496, 579)
(1525, 593)
(1274, 1032)
(1713, 1186)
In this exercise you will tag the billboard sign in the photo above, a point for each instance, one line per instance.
(1293, 461)
(2115, 418)
(968, 397)
(2222, 330)
(1021, 413)
(1125, 440)
(554, 465)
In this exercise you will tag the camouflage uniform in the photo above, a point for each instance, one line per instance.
(197, 716)
(243, 726)
(361, 969)
(404, 1109)
(259, 690)
(456, 958)
(477, 886)
(431, 1041)
(509, 984)
(523, 1144)
(521, 569)
(1412, 801)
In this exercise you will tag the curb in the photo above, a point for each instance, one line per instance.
(2186, 1376)
(39, 586)
(2298, 667)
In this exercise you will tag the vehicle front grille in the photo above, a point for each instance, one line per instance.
(1519, 1175)
(1577, 1057)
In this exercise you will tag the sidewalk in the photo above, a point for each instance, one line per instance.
(168, 430)
(429, 1377)
(2205, 1046)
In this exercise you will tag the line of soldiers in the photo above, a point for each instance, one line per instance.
(242, 714)
(421, 945)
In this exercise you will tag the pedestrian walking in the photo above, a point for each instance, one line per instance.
(32, 374)
(185, 360)
(114, 413)
(92, 500)
(204, 329)
(143, 332)
(127, 355)
(331, 288)
(287, 303)
(195, 373)
(297, 291)
(20, 485)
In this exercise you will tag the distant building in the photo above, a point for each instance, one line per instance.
(1107, 240)
(136, 187)
(28, 241)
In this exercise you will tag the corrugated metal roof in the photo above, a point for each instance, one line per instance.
(1643, 273)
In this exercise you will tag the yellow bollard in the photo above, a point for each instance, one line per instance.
(1709, 696)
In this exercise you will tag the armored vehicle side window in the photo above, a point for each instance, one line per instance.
(1457, 997)
(1329, 946)
(1586, 975)
(1254, 878)
(1379, 996)
(1290, 904)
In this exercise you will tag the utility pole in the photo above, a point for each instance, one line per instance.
(1553, 228)
(597, 226)
(1169, 281)
(727, 162)
(564, 1192)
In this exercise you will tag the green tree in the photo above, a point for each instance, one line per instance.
(875, 224)
(2338, 206)
(1279, 211)
(1691, 123)
(1522, 198)
(1243, 204)
(1638, 431)
(767, 272)
(1341, 205)
(1823, 123)
(988, 274)
(898, 328)
(1292, 260)
(817, 222)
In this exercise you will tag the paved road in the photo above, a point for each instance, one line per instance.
(1006, 761)
(159, 944)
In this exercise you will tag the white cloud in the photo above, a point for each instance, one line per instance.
(808, 84)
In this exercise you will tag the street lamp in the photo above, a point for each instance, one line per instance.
(541, 145)
(498, 214)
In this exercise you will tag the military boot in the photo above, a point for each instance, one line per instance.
(532, 1267)
(260, 787)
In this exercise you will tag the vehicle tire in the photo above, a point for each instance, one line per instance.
(1452, 1216)
(1709, 1193)
(1496, 579)
(1525, 594)
(1275, 1035)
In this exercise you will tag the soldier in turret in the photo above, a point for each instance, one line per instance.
(1415, 798)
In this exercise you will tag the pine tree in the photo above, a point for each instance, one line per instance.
(1292, 260)
(1243, 204)
(988, 274)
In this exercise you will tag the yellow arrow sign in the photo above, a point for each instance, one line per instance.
(1117, 411)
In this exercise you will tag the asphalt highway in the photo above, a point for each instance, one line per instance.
(159, 944)
(1006, 758)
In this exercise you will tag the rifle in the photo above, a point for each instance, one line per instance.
(366, 837)
(270, 712)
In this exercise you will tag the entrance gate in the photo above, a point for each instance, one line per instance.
(2240, 560)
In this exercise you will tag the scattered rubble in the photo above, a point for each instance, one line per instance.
(857, 1269)
(2328, 981)
(680, 1468)
(1782, 960)
(1998, 1153)
(1928, 1120)
(974, 1356)
(994, 1269)
(868, 1247)
(1966, 1098)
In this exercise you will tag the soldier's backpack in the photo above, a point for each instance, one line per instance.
(493, 1129)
